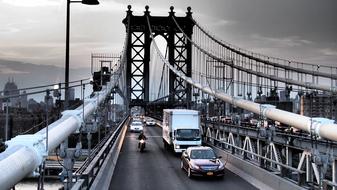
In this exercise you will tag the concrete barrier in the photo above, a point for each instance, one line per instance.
(255, 175)
(103, 178)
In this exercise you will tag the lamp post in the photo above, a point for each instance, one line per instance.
(66, 92)
(69, 157)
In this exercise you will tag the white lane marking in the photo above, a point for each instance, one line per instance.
(136, 136)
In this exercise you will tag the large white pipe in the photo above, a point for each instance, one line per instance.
(16, 163)
(72, 119)
(311, 125)
(26, 152)
(328, 131)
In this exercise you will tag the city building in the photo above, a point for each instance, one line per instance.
(16, 101)
(33, 105)
(319, 105)
(24, 100)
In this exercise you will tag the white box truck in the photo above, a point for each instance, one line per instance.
(181, 129)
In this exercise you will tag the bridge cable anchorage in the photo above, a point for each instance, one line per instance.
(260, 74)
(323, 130)
(239, 51)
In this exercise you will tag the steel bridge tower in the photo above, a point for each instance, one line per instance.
(138, 54)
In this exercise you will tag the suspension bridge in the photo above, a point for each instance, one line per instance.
(231, 87)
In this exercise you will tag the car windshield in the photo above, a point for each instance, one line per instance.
(202, 154)
(136, 123)
(188, 134)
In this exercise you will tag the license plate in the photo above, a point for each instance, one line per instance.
(209, 173)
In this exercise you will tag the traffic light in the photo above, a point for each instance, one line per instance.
(105, 75)
(101, 78)
(96, 81)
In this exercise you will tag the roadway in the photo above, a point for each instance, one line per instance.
(159, 169)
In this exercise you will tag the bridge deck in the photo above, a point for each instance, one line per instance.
(157, 168)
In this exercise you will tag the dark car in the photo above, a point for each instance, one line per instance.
(201, 161)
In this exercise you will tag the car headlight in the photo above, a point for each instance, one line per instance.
(194, 166)
(177, 146)
(221, 166)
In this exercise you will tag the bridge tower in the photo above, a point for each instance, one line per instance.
(138, 54)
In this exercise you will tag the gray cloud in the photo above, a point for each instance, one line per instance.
(32, 3)
(304, 30)
(284, 42)
(329, 52)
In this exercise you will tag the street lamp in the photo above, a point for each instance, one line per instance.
(66, 92)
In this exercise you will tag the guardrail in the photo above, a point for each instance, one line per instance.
(95, 151)
(86, 177)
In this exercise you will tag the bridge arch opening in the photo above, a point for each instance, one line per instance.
(157, 66)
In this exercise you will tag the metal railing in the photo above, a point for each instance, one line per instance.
(87, 174)
(329, 185)
(286, 170)
(278, 138)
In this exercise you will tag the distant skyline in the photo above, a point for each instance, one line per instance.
(33, 31)
(29, 75)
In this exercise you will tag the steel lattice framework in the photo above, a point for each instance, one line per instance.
(138, 55)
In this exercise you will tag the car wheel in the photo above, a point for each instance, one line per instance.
(181, 165)
(165, 145)
(221, 177)
(189, 174)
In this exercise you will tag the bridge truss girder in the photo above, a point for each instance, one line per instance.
(292, 154)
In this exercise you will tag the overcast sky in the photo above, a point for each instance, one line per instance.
(34, 30)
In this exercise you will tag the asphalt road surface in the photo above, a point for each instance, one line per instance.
(159, 169)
